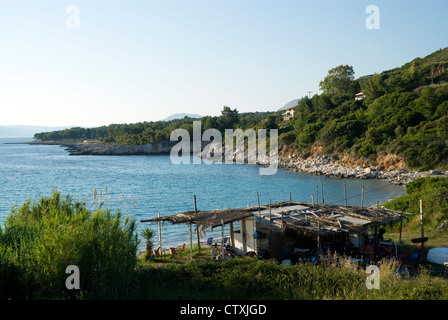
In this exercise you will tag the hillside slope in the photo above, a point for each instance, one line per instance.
(402, 123)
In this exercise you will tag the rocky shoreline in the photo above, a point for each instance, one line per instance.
(97, 148)
(327, 166)
(316, 165)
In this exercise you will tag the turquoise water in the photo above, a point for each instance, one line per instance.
(142, 186)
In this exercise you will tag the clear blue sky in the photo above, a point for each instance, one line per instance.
(143, 60)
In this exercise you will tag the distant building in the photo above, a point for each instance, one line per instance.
(288, 114)
(359, 96)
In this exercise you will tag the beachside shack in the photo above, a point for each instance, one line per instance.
(292, 229)
(288, 230)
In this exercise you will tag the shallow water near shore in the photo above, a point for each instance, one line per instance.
(143, 186)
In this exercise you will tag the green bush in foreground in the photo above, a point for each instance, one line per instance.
(40, 240)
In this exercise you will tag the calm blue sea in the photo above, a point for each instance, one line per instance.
(142, 186)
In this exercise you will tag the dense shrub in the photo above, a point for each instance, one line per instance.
(434, 195)
(40, 239)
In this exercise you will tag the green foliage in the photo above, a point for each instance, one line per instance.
(148, 235)
(229, 118)
(40, 240)
(433, 192)
(338, 80)
(402, 114)
(374, 87)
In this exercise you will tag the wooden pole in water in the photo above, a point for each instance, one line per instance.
(290, 197)
(345, 193)
(317, 194)
(312, 199)
(197, 228)
(259, 213)
(362, 197)
(322, 191)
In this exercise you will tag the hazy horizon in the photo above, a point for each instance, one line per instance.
(90, 64)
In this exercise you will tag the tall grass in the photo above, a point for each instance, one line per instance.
(40, 239)
(338, 278)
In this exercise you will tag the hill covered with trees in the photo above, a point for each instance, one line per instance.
(402, 117)
(159, 131)
(404, 113)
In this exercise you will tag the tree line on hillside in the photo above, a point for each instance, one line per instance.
(404, 112)
(159, 131)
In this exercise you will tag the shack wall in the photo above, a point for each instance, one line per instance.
(244, 240)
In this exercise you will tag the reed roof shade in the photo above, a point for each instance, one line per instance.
(324, 219)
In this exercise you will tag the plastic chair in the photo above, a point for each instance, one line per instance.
(173, 252)
(219, 242)
(183, 248)
(156, 253)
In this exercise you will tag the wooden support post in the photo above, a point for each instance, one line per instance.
(421, 219)
(401, 222)
(345, 193)
(222, 238)
(191, 242)
(317, 194)
(282, 219)
(243, 235)
(270, 212)
(318, 238)
(231, 236)
(422, 233)
(259, 213)
(376, 225)
(198, 237)
(290, 197)
(312, 199)
(197, 228)
(160, 235)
